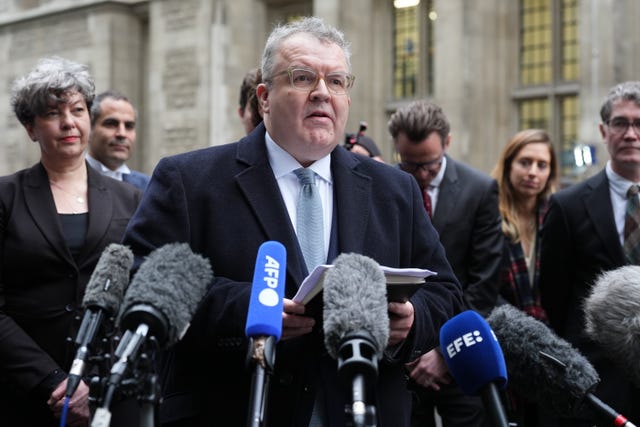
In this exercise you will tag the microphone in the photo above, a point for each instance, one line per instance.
(612, 317)
(264, 323)
(546, 368)
(102, 299)
(159, 304)
(264, 317)
(475, 360)
(356, 326)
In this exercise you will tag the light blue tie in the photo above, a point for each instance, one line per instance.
(310, 229)
(310, 225)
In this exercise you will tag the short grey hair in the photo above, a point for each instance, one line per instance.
(626, 91)
(313, 26)
(50, 81)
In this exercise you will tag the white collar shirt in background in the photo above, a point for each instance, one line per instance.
(434, 185)
(116, 174)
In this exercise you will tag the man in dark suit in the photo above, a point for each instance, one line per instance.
(583, 236)
(226, 201)
(463, 203)
(113, 137)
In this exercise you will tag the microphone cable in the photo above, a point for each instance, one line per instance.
(65, 409)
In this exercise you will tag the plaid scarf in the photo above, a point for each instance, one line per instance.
(515, 285)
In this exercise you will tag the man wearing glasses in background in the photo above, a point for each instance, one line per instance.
(590, 228)
(463, 205)
(225, 201)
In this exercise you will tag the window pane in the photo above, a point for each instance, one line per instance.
(431, 22)
(534, 113)
(406, 52)
(535, 36)
(569, 133)
(570, 40)
(549, 59)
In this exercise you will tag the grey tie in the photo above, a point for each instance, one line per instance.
(309, 225)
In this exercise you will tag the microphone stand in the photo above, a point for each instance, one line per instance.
(130, 377)
(149, 400)
(493, 405)
(358, 365)
(261, 358)
(360, 413)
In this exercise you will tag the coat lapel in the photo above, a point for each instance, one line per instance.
(598, 207)
(100, 213)
(41, 207)
(447, 197)
(261, 191)
(352, 199)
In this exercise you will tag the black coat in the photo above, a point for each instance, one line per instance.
(42, 285)
(468, 222)
(225, 201)
(580, 241)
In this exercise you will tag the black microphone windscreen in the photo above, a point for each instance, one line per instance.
(109, 279)
(612, 317)
(172, 280)
(355, 300)
(560, 384)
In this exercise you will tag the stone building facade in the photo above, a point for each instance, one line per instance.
(181, 63)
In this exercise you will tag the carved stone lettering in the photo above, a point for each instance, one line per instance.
(178, 139)
(179, 14)
(49, 36)
(180, 78)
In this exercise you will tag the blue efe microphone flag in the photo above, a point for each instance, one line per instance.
(472, 352)
(264, 317)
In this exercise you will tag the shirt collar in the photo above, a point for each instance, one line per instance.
(117, 174)
(283, 163)
(435, 182)
(617, 183)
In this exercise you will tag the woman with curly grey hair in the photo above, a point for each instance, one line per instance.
(56, 218)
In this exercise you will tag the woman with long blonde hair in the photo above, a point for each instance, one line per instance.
(527, 174)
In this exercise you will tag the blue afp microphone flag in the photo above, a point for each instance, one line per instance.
(264, 317)
(472, 353)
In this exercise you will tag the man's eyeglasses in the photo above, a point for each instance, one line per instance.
(306, 79)
(432, 167)
(619, 125)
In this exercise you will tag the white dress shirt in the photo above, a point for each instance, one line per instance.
(283, 165)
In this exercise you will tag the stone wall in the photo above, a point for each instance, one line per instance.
(181, 63)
